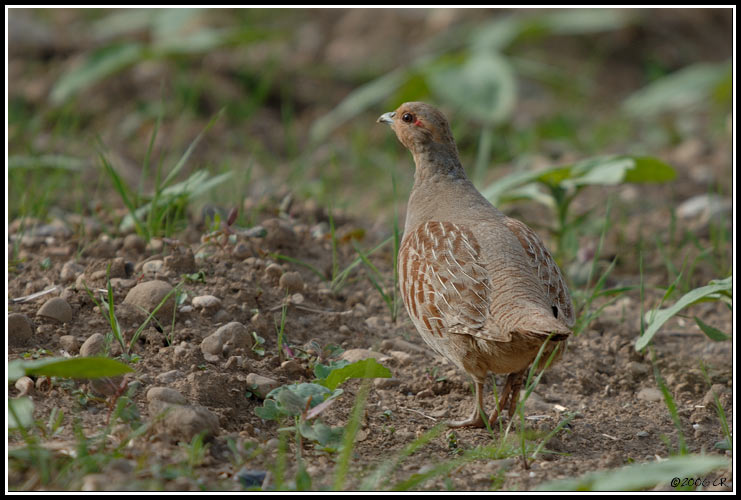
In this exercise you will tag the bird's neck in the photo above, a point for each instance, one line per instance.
(437, 162)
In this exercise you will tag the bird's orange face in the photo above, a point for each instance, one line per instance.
(418, 124)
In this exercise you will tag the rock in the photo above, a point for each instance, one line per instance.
(222, 316)
(425, 393)
(638, 370)
(650, 394)
(386, 383)
(291, 282)
(402, 357)
(291, 368)
(169, 377)
(149, 295)
(273, 271)
(152, 267)
(250, 478)
(241, 251)
(208, 303)
(166, 395)
(93, 346)
(185, 422)
(235, 335)
(279, 233)
(706, 207)
(69, 343)
(57, 309)
(19, 329)
(402, 345)
(106, 386)
(25, 386)
(70, 271)
(134, 243)
(719, 390)
(642, 434)
(353, 355)
(376, 323)
(260, 385)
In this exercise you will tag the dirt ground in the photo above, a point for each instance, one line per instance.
(599, 378)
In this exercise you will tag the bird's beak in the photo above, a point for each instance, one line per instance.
(387, 117)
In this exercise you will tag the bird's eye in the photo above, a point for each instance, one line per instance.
(407, 117)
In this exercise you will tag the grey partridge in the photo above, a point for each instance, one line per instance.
(480, 287)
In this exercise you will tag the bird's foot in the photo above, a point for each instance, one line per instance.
(472, 421)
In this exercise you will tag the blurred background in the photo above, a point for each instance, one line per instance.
(286, 101)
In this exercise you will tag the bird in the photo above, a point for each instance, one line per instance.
(480, 287)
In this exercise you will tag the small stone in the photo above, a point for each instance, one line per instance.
(25, 386)
(291, 282)
(69, 343)
(353, 355)
(166, 395)
(376, 323)
(169, 377)
(425, 393)
(297, 298)
(241, 251)
(260, 385)
(207, 303)
(642, 434)
(359, 310)
(93, 346)
(181, 262)
(19, 329)
(152, 267)
(222, 316)
(386, 383)
(344, 330)
(291, 368)
(70, 271)
(134, 243)
(57, 309)
(718, 390)
(149, 295)
(638, 370)
(402, 357)
(650, 394)
(273, 271)
(185, 422)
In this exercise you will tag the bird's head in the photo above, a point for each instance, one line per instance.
(420, 126)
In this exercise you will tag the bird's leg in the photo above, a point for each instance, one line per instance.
(475, 420)
(509, 397)
(515, 391)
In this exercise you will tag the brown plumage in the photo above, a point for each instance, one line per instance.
(481, 288)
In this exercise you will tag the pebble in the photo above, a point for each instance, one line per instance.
(70, 271)
(25, 386)
(376, 323)
(69, 343)
(650, 394)
(233, 335)
(169, 377)
(181, 262)
(291, 282)
(207, 303)
(273, 271)
(134, 243)
(148, 296)
(719, 390)
(185, 422)
(93, 346)
(353, 355)
(260, 385)
(386, 383)
(344, 330)
(291, 368)
(425, 393)
(401, 345)
(165, 394)
(250, 478)
(638, 370)
(19, 329)
(152, 267)
(241, 251)
(57, 309)
(401, 356)
(642, 434)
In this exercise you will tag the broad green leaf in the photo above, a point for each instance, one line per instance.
(640, 476)
(321, 433)
(712, 332)
(677, 91)
(291, 400)
(99, 65)
(323, 371)
(268, 411)
(94, 367)
(21, 408)
(649, 169)
(483, 88)
(656, 318)
(366, 368)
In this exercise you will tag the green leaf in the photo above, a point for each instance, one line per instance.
(93, 367)
(323, 371)
(268, 411)
(326, 436)
(100, 64)
(640, 476)
(656, 318)
(366, 368)
(60, 162)
(483, 87)
(291, 400)
(677, 91)
(712, 332)
(22, 408)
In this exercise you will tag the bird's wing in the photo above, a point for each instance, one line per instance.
(444, 286)
(546, 268)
